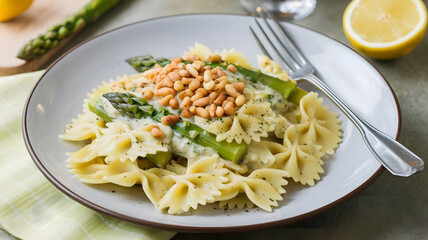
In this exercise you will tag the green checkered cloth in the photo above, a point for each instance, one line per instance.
(30, 206)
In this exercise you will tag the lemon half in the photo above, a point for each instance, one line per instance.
(385, 29)
(12, 8)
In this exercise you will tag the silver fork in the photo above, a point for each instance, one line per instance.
(399, 160)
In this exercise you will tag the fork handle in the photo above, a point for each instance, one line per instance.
(399, 160)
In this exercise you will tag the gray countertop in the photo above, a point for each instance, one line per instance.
(391, 207)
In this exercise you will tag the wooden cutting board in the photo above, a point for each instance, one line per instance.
(41, 16)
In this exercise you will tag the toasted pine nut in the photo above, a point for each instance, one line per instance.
(170, 119)
(212, 110)
(192, 109)
(202, 112)
(196, 97)
(219, 111)
(239, 86)
(186, 113)
(194, 84)
(214, 58)
(202, 90)
(173, 103)
(159, 85)
(167, 82)
(192, 70)
(177, 59)
(198, 65)
(225, 103)
(240, 100)
(186, 81)
(220, 99)
(202, 102)
(165, 91)
(185, 103)
(181, 66)
(207, 68)
(215, 70)
(174, 76)
(208, 76)
(231, 90)
(165, 100)
(157, 133)
(182, 95)
(220, 86)
(168, 68)
(200, 78)
(229, 108)
(178, 86)
(209, 85)
(189, 92)
(231, 68)
(148, 94)
(222, 78)
(183, 73)
(213, 96)
(151, 126)
(159, 78)
(190, 57)
(230, 99)
(220, 73)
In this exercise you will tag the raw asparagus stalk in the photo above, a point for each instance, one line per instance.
(288, 90)
(37, 47)
(135, 107)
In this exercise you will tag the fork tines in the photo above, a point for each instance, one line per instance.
(281, 44)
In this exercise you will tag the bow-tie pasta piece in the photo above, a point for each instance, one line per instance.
(263, 187)
(86, 126)
(302, 161)
(318, 125)
(259, 156)
(122, 141)
(198, 186)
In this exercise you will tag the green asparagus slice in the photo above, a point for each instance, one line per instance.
(37, 47)
(135, 107)
(288, 90)
(160, 158)
(144, 63)
(95, 105)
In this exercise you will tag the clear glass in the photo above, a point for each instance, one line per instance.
(290, 10)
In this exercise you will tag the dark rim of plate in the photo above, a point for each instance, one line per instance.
(172, 227)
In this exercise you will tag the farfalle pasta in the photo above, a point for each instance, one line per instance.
(202, 129)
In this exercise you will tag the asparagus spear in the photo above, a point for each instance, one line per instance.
(35, 48)
(95, 104)
(288, 90)
(135, 107)
(144, 63)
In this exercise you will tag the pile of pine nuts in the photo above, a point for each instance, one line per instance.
(194, 88)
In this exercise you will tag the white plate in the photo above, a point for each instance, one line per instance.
(57, 98)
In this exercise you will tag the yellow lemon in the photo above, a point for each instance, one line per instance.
(12, 8)
(385, 29)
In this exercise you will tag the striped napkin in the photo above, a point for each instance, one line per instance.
(31, 207)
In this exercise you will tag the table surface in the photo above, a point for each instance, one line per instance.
(390, 208)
